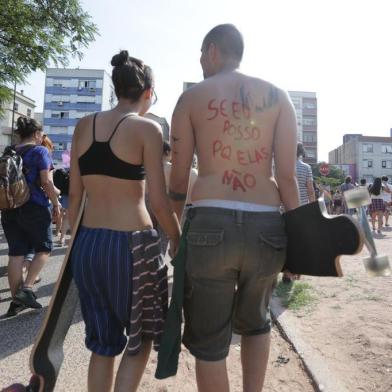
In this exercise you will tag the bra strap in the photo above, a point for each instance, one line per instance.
(118, 124)
(95, 116)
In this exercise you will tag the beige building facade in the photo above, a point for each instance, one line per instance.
(370, 156)
(24, 106)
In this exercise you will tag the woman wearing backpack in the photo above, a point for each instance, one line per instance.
(30, 224)
(116, 260)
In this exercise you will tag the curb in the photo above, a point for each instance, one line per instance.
(322, 378)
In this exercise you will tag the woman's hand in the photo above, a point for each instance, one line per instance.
(173, 247)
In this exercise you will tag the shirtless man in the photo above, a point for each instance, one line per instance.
(236, 240)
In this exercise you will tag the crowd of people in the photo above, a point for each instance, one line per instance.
(380, 193)
(142, 193)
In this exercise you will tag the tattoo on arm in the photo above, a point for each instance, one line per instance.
(175, 139)
(175, 196)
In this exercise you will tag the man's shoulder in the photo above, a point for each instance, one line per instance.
(303, 164)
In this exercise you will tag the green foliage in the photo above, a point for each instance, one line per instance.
(296, 295)
(335, 177)
(34, 33)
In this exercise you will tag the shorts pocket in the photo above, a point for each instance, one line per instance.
(205, 253)
(273, 253)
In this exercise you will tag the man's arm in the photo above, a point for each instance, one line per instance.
(285, 147)
(182, 144)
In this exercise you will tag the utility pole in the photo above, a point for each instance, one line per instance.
(13, 113)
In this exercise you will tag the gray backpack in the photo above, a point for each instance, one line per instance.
(14, 190)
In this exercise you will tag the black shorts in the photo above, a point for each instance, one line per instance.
(27, 227)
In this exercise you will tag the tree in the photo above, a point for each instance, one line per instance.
(34, 33)
(335, 177)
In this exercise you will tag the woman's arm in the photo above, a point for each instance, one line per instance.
(158, 198)
(75, 180)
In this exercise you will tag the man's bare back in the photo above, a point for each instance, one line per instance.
(233, 120)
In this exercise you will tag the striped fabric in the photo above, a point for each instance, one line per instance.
(150, 293)
(114, 271)
(304, 174)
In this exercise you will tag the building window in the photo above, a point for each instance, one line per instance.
(367, 163)
(386, 148)
(386, 164)
(60, 146)
(369, 179)
(91, 84)
(367, 147)
(309, 105)
(310, 154)
(61, 83)
(85, 99)
(29, 113)
(309, 137)
(309, 121)
(60, 114)
(58, 130)
(16, 107)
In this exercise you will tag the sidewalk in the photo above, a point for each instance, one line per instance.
(345, 336)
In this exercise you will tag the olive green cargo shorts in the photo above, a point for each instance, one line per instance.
(233, 259)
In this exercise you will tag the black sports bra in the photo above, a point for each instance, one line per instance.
(100, 159)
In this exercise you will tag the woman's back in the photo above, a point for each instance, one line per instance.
(111, 165)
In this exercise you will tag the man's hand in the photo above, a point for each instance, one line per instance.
(56, 212)
(173, 247)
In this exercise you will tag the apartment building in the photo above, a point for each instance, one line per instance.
(370, 156)
(71, 94)
(305, 104)
(24, 106)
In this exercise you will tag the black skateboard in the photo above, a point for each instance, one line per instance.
(47, 354)
(316, 240)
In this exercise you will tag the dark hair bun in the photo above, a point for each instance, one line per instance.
(120, 59)
(22, 123)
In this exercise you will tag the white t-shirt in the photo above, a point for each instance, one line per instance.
(385, 195)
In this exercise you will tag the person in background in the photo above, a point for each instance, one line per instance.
(337, 202)
(326, 194)
(347, 185)
(362, 183)
(29, 226)
(377, 206)
(386, 195)
(61, 180)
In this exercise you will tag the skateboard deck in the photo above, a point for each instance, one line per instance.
(317, 240)
(47, 354)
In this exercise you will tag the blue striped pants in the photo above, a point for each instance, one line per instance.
(103, 263)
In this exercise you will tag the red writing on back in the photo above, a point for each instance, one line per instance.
(224, 107)
(243, 157)
(241, 133)
(238, 180)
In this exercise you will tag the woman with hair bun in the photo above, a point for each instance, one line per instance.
(116, 261)
(30, 224)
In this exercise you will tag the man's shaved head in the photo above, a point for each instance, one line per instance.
(228, 39)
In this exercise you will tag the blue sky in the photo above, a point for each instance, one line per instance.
(340, 49)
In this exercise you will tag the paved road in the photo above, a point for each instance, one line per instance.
(17, 336)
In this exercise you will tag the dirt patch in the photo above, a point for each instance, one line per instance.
(349, 324)
(285, 372)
